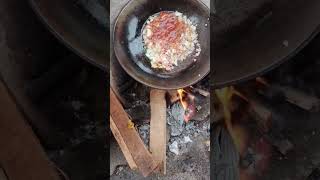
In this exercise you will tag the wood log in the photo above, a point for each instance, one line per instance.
(158, 126)
(21, 154)
(292, 95)
(135, 146)
(200, 91)
(300, 98)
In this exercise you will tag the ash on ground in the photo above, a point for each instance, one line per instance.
(188, 144)
(181, 135)
(78, 119)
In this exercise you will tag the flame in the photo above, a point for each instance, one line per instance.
(187, 102)
(241, 134)
(182, 95)
(225, 95)
(237, 133)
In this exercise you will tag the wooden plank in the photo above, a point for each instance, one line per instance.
(21, 155)
(140, 155)
(122, 144)
(158, 133)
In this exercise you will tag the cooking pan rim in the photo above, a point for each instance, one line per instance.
(271, 67)
(132, 75)
(56, 34)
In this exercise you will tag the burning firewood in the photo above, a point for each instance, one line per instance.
(187, 101)
(217, 114)
(191, 99)
(224, 96)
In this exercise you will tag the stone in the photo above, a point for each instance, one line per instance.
(175, 119)
(187, 139)
(174, 148)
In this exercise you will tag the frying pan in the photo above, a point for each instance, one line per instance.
(128, 44)
(251, 37)
(82, 25)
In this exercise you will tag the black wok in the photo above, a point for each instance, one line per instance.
(82, 25)
(128, 44)
(270, 34)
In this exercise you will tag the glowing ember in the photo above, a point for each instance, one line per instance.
(187, 102)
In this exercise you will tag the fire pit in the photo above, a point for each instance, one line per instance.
(186, 117)
(267, 128)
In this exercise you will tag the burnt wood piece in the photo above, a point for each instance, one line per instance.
(292, 95)
(200, 91)
(21, 154)
(158, 128)
(131, 139)
(300, 98)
